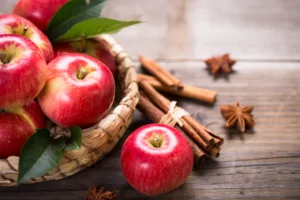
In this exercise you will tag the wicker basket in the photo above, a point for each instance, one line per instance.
(98, 140)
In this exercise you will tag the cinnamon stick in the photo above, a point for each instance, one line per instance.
(215, 151)
(163, 103)
(216, 137)
(199, 155)
(203, 131)
(162, 75)
(206, 134)
(155, 115)
(187, 91)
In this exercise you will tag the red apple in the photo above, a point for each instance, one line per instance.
(38, 12)
(17, 125)
(22, 71)
(90, 47)
(79, 90)
(13, 24)
(156, 159)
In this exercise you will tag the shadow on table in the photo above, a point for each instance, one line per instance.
(232, 133)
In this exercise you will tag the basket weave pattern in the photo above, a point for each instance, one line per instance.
(98, 140)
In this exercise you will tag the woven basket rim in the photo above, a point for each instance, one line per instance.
(97, 140)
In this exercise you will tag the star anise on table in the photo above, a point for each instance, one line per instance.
(101, 194)
(220, 64)
(238, 116)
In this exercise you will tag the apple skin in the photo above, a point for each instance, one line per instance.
(39, 12)
(22, 71)
(156, 170)
(69, 100)
(90, 47)
(17, 125)
(13, 24)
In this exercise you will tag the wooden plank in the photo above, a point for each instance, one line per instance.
(7, 6)
(197, 29)
(271, 193)
(263, 163)
(195, 194)
(264, 173)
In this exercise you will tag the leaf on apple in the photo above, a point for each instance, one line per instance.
(76, 139)
(93, 27)
(71, 13)
(40, 154)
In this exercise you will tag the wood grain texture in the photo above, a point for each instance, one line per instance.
(263, 35)
(196, 29)
(262, 163)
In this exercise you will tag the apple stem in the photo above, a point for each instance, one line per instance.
(25, 30)
(83, 43)
(3, 58)
(82, 73)
(156, 141)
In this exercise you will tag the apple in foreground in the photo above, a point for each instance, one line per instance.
(156, 159)
(22, 71)
(38, 12)
(17, 125)
(13, 24)
(90, 47)
(79, 90)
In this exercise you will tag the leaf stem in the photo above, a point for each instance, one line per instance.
(3, 58)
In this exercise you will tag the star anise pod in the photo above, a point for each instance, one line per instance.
(220, 64)
(238, 116)
(101, 194)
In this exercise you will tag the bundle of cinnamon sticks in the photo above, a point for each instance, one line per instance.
(157, 108)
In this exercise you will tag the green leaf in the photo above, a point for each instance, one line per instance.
(76, 137)
(71, 13)
(39, 155)
(93, 27)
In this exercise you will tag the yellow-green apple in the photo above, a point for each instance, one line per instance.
(90, 47)
(79, 90)
(17, 125)
(22, 71)
(13, 24)
(39, 12)
(156, 159)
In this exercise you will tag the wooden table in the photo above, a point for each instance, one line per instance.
(264, 35)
